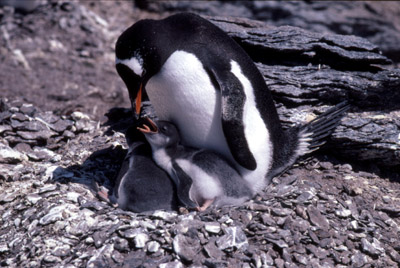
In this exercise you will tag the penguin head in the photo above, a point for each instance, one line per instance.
(160, 134)
(140, 52)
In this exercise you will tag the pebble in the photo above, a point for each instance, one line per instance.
(343, 213)
(374, 249)
(140, 240)
(153, 246)
(10, 156)
(73, 196)
(213, 228)
(33, 198)
(317, 218)
(186, 247)
(174, 264)
(234, 238)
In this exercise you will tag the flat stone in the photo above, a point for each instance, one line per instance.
(61, 251)
(33, 198)
(281, 212)
(213, 228)
(117, 257)
(153, 246)
(374, 249)
(174, 264)
(5, 128)
(140, 240)
(317, 218)
(47, 188)
(28, 109)
(3, 247)
(358, 260)
(11, 156)
(20, 117)
(38, 135)
(62, 125)
(186, 247)
(343, 213)
(234, 238)
(40, 154)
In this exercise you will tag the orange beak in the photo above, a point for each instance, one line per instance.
(150, 128)
(139, 99)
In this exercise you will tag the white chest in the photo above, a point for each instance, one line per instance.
(182, 92)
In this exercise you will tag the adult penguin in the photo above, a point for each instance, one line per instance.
(200, 79)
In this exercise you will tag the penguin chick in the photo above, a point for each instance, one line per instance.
(141, 185)
(203, 178)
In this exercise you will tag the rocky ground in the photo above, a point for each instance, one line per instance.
(57, 81)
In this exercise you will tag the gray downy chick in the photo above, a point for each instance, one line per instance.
(141, 185)
(202, 178)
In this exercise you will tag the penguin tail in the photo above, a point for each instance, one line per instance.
(313, 134)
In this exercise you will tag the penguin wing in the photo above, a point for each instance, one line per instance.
(183, 184)
(232, 103)
(124, 169)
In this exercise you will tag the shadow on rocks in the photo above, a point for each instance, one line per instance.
(101, 167)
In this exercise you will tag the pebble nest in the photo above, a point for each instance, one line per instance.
(321, 213)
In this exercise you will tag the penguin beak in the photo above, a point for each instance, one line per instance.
(151, 127)
(138, 102)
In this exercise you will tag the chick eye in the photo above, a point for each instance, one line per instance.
(164, 129)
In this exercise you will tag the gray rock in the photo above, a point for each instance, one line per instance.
(281, 212)
(174, 264)
(4, 129)
(54, 214)
(10, 156)
(153, 246)
(358, 260)
(213, 228)
(343, 213)
(39, 135)
(317, 218)
(33, 198)
(186, 247)
(61, 251)
(140, 240)
(121, 244)
(374, 249)
(234, 238)
(213, 251)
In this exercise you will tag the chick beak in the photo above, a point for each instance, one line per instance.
(151, 127)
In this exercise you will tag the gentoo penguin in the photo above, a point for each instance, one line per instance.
(202, 177)
(141, 185)
(200, 79)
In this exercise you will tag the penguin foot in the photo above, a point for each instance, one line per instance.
(205, 205)
(183, 211)
(103, 195)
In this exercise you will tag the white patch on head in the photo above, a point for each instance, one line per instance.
(204, 186)
(183, 93)
(256, 134)
(135, 64)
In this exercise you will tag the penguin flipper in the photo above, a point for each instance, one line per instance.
(183, 184)
(232, 105)
(123, 170)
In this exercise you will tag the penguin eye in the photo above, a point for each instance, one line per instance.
(164, 129)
